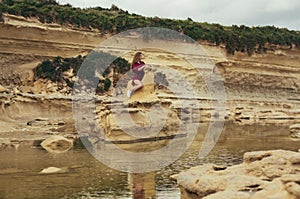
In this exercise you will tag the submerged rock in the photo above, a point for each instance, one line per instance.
(51, 170)
(264, 173)
(57, 144)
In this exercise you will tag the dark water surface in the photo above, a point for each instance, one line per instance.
(85, 177)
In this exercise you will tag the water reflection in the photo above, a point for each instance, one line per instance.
(142, 185)
(87, 178)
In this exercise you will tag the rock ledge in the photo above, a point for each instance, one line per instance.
(273, 173)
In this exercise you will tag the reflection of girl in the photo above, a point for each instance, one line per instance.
(138, 73)
(142, 185)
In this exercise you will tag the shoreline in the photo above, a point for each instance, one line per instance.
(29, 118)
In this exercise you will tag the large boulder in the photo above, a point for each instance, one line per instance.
(57, 144)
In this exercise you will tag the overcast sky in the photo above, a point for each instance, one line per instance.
(280, 13)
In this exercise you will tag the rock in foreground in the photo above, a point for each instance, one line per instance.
(275, 174)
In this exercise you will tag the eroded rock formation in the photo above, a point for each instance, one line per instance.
(263, 88)
(263, 173)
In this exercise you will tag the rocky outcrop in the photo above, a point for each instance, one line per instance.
(295, 131)
(264, 173)
(57, 144)
(129, 121)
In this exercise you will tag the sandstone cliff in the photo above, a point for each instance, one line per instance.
(261, 88)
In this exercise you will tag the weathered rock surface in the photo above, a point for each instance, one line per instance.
(295, 131)
(2, 89)
(275, 174)
(57, 144)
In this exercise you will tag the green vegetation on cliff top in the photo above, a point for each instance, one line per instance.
(115, 20)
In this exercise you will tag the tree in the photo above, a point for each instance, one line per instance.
(114, 8)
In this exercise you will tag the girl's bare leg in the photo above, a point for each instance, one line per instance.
(138, 85)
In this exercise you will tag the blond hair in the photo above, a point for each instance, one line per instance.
(136, 57)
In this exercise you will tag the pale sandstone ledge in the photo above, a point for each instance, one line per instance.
(263, 174)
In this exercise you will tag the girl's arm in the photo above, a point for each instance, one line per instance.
(141, 68)
(138, 67)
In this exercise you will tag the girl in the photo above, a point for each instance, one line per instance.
(138, 67)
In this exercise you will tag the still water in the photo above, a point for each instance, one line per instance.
(85, 177)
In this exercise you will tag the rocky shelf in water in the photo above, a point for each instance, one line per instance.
(274, 173)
